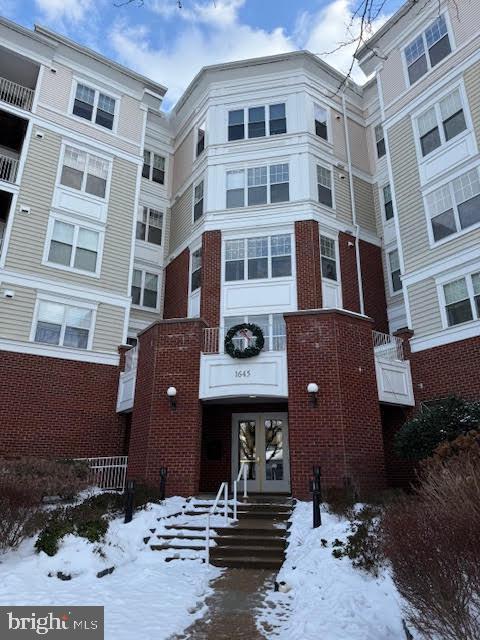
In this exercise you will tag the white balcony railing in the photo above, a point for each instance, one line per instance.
(387, 346)
(127, 381)
(107, 473)
(213, 338)
(8, 168)
(16, 94)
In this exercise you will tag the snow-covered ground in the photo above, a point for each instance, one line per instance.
(145, 597)
(328, 598)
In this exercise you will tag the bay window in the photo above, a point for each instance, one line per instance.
(255, 122)
(428, 49)
(258, 258)
(63, 325)
(264, 185)
(84, 172)
(74, 247)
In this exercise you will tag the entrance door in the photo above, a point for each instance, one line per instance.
(261, 441)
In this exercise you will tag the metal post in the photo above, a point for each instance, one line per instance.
(317, 497)
(129, 500)
(244, 480)
(225, 501)
(163, 482)
(207, 541)
(235, 500)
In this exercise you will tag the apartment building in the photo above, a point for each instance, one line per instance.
(269, 277)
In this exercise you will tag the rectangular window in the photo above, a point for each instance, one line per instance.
(328, 258)
(272, 325)
(236, 126)
(380, 141)
(201, 139)
(198, 201)
(256, 122)
(387, 202)
(441, 122)
(429, 132)
(428, 49)
(85, 172)
(257, 254)
(394, 265)
(149, 228)
(324, 184)
(257, 186)
(455, 206)
(95, 106)
(144, 289)
(153, 167)
(458, 304)
(234, 260)
(320, 114)
(196, 270)
(235, 189)
(256, 258)
(281, 252)
(278, 121)
(279, 183)
(74, 247)
(63, 325)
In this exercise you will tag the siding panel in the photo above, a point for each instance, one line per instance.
(181, 219)
(424, 308)
(16, 314)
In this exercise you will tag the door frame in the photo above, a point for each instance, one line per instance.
(260, 485)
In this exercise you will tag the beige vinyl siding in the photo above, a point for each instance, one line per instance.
(55, 89)
(181, 219)
(130, 120)
(144, 316)
(16, 313)
(358, 146)
(342, 196)
(108, 330)
(338, 135)
(472, 87)
(417, 252)
(424, 308)
(182, 164)
(392, 76)
(364, 204)
(27, 241)
(464, 19)
(379, 226)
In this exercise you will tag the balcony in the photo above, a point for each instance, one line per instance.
(18, 80)
(16, 94)
(5, 204)
(394, 378)
(8, 168)
(12, 136)
(127, 380)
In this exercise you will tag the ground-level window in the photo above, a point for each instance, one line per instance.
(272, 326)
(394, 268)
(144, 289)
(462, 299)
(260, 257)
(63, 325)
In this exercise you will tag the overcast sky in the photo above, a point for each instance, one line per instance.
(170, 44)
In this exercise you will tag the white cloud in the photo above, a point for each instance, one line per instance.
(60, 11)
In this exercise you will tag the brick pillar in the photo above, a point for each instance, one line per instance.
(169, 355)
(176, 287)
(348, 268)
(307, 251)
(343, 432)
(211, 277)
(374, 285)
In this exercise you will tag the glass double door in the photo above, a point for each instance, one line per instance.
(261, 442)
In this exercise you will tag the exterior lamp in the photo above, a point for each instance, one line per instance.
(312, 389)
(172, 397)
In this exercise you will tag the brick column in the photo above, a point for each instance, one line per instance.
(343, 432)
(348, 268)
(176, 286)
(211, 277)
(374, 285)
(307, 252)
(169, 355)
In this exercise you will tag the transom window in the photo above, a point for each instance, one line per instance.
(428, 49)
(387, 202)
(320, 115)
(74, 247)
(144, 289)
(196, 270)
(256, 258)
(265, 185)
(153, 167)
(328, 253)
(380, 141)
(394, 268)
(455, 206)
(261, 121)
(84, 171)
(149, 227)
(94, 106)
(441, 123)
(462, 299)
(198, 201)
(324, 185)
(272, 326)
(63, 325)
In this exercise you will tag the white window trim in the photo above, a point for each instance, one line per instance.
(445, 145)
(155, 272)
(466, 273)
(245, 107)
(325, 165)
(415, 35)
(161, 155)
(391, 221)
(66, 302)
(448, 180)
(192, 250)
(98, 89)
(194, 186)
(338, 282)
(255, 165)
(393, 293)
(77, 225)
(269, 278)
(139, 218)
(328, 109)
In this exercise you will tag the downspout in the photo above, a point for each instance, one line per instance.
(354, 212)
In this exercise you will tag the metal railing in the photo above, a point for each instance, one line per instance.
(223, 489)
(107, 473)
(131, 359)
(242, 473)
(8, 168)
(213, 341)
(387, 346)
(16, 94)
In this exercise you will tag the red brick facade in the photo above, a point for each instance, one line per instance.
(373, 285)
(211, 277)
(348, 269)
(176, 287)
(58, 408)
(343, 432)
(307, 252)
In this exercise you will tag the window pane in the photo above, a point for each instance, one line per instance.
(85, 260)
(256, 122)
(279, 193)
(235, 117)
(427, 121)
(104, 119)
(77, 338)
(264, 323)
(321, 130)
(439, 201)
(476, 283)
(414, 50)
(62, 243)
(443, 225)
(234, 249)
(396, 281)
(281, 245)
(278, 122)
(198, 210)
(199, 191)
(279, 176)
(451, 104)
(257, 247)
(257, 268)
(71, 178)
(236, 129)
(324, 177)
(459, 312)
(235, 179)
(455, 291)
(469, 212)
(394, 260)
(257, 176)
(278, 173)
(146, 164)
(63, 232)
(83, 104)
(77, 317)
(141, 230)
(196, 259)
(466, 186)
(73, 167)
(439, 51)
(257, 195)
(436, 30)
(51, 312)
(48, 333)
(417, 69)
(87, 239)
(85, 94)
(150, 290)
(96, 186)
(324, 195)
(430, 141)
(379, 133)
(235, 198)
(454, 125)
(329, 268)
(327, 247)
(234, 270)
(281, 266)
(320, 115)
(196, 279)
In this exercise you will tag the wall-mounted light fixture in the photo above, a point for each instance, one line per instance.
(312, 389)
(172, 397)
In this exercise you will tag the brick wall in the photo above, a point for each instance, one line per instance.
(169, 355)
(211, 277)
(54, 407)
(307, 252)
(176, 286)
(343, 432)
(373, 285)
(348, 269)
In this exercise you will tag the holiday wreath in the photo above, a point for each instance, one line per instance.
(252, 340)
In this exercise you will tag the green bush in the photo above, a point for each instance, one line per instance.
(443, 422)
(364, 544)
(108, 502)
(49, 539)
(340, 500)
